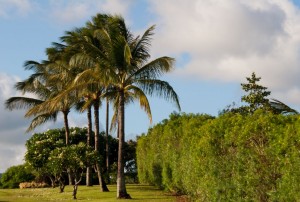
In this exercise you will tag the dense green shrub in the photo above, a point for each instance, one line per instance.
(14, 175)
(229, 158)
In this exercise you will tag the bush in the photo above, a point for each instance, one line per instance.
(229, 158)
(14, 175)
(24, 185)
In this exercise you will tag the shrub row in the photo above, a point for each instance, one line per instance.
(229, 158)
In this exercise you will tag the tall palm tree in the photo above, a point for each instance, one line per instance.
(58, 76)
(133, 80)
(121, 65)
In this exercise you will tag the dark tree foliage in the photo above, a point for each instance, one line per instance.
(14, 175)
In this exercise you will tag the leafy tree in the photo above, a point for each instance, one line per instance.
(40, 146)
(75, 158)
(257, 94)
(14, 175)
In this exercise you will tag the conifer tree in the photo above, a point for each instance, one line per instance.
(257, 94)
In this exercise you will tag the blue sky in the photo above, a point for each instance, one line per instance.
(216, 44)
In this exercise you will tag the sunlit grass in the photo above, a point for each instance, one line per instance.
(138, 193)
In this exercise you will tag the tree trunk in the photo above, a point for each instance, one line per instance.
(88, 143)
(61, 183)
(52, 179)
(106, 142)
(102, 184)
(76, 183)
(121, 188)
(67, 129)
(67, 133)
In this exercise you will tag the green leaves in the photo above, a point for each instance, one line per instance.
(230, 158)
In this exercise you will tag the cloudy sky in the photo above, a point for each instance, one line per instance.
(216, 44)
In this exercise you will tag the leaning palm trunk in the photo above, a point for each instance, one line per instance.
(88, 143)
(67, 133)
(121, 188)
(102, 184)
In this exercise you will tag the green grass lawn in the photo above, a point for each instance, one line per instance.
(138, 193)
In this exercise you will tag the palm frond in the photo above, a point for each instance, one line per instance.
(140, 49)
(88, 103)
(41, 119)
(21, 103)
(138, 94)
(282, 108)
(33, 65)
(154, 69)
(82, 60)
(159, 88)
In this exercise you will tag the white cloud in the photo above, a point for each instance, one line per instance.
(13, 126)
(72, 11)
(227, 40)
(11, 155)
(12, 7)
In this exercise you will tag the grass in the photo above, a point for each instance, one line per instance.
(142, 193)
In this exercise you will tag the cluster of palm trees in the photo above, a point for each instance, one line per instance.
(101, 61)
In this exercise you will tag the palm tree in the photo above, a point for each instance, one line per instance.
(111, 57)
(75, 45)
(57, 77)
(121, 65)
(134, 79)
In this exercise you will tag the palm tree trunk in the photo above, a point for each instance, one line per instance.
(67, 133)
(121, 188)
(106, 142)
(67, 129)
(102, 184)
(88, 143)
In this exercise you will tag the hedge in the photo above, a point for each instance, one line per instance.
(228, 158)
